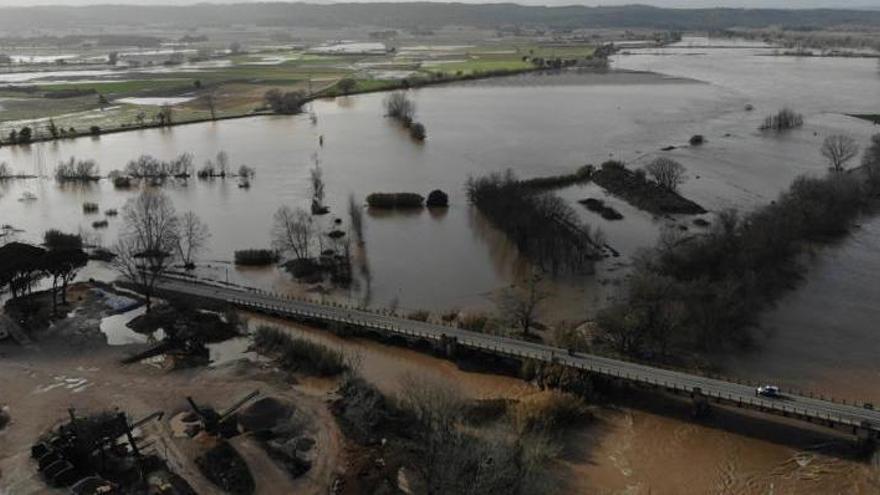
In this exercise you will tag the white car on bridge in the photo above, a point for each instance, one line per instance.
(771, 391)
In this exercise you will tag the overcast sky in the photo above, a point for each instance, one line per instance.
(661, 3)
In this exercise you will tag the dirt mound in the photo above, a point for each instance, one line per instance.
(224, 466)
(264, 414)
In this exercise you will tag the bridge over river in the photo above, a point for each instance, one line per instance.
(862, 420)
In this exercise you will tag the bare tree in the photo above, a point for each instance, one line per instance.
(356, 218)
(520, 305)
(293, 232)
(398, 106)
(148, 240)
(223, 163)
(317, 186)
(666, 172)
(839, 149)
(193, 237)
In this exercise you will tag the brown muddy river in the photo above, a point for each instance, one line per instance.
(822, 336)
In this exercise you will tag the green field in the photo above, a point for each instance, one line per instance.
(238, 88)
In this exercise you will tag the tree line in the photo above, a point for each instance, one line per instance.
(702, 292)
(542, 226)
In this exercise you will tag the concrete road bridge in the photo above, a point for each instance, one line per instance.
(861, 419)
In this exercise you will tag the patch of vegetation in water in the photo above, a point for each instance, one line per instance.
(599, 206)
(395, 200)
(256, 257)
(636, 189)
(698, 293)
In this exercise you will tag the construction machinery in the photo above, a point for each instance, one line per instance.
(94, 453)
(215, 423)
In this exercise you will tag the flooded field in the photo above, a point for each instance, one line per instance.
(821, 337)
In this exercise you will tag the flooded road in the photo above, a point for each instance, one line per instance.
(821, 337)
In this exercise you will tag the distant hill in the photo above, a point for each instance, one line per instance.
(424, 14)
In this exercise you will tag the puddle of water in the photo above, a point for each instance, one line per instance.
(117, 332)
(156, 101)
(231, 350)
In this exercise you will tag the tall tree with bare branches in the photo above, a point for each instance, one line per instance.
(520, 305)
(839, 149)
(293, 232)
(148, 240)
(194, 235)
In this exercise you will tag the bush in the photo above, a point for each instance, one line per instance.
(475, 322)
(298, 355)
(548, 412)
(285, 103)
(417, 131)
(395, 200)
(55, 239)
(122, 182)
(437, 199)
(419, 315)
(599, 206)
(697, 140)
(255, 257)
(398, 106)
(95, 130)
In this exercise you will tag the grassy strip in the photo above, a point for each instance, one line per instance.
(298, 355)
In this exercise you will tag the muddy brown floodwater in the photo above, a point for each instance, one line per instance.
(821, 337)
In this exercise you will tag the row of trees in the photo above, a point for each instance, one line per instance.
(147, 166)
(542, 226)
(23, 265)
(703, 292)
(73, 170)
(400, 107)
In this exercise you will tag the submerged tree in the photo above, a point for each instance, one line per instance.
(356, 219)
(400, 107)
(839, 149)
(293, 232)
(148, 240)
(666, 172)
(194, 235)
(317, 187)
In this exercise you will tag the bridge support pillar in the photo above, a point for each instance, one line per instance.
(700, 404)
(866, 438)
(448, 346)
